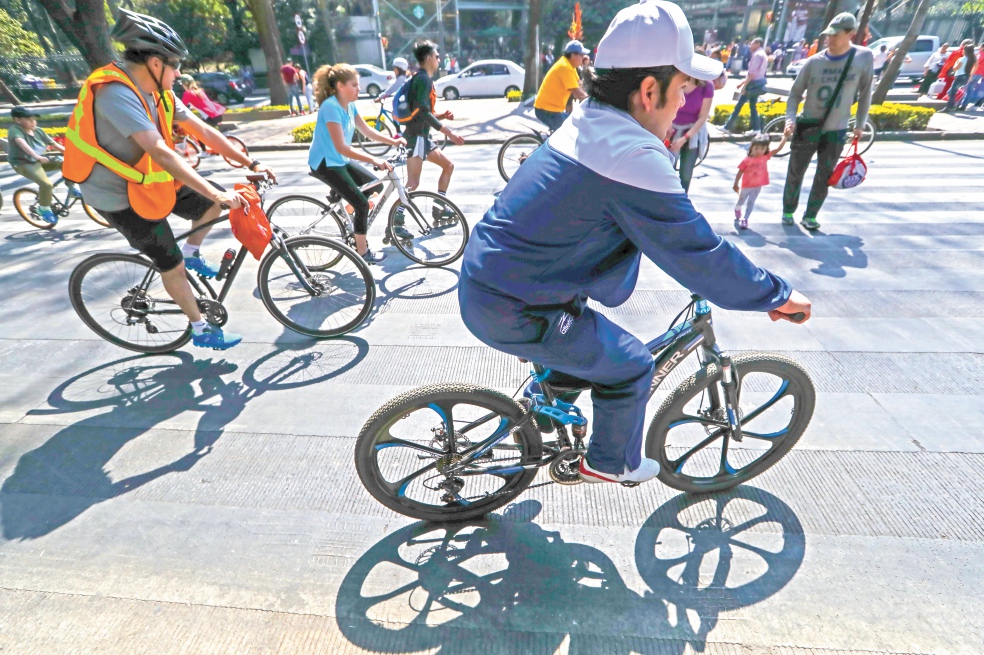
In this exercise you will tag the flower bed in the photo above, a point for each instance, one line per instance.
(305, 133)
(514, 96)
(890, 116)
(247, 110)
(51, 131)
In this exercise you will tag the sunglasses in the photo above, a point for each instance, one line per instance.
(175, 64)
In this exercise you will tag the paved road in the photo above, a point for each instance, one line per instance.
(120, 536)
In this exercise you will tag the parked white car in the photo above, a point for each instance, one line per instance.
(373, 79)
(489, 77)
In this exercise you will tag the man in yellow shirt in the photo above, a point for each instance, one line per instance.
(560, 83)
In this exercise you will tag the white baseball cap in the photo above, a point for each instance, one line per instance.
(654, 33)
(400, 63)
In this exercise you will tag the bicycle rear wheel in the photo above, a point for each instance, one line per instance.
(439, 228)
(375, 148)
(298, 215)
(776, 399)
(343, 284)
(515, 151)
(26, 204)
(775, 129)
(865, 142)
(236, 141)
(94, 215)
(108, 294)
(407, 452)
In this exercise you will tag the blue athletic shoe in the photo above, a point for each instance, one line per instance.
(213, 337)
(48, 216)
(74, 192)
(199, 265)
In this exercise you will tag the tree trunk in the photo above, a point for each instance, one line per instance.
(895, 65)
(531, 84)
(86, 28)
(7, 93)
(869, 8)
(827, 17)
(266, 28)
(329, 31)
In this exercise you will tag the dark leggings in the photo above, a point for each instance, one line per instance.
(346, 180)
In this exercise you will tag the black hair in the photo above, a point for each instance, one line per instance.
(760, 139)
(423, 49)
(614, 86)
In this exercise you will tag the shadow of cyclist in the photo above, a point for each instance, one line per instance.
(511, 586)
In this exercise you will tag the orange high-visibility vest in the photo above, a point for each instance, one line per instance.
(151, 189)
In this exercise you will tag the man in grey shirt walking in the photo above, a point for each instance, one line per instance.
(818, 80)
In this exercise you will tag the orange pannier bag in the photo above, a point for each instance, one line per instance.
(250, 224)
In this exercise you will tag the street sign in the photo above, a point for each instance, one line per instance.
(300, 37)
(418, 12)
(298, 21)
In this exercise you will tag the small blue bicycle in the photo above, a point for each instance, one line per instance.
(453, 452)
(386, 124)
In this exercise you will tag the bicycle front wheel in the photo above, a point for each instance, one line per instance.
(298, 215)
(868, 135)
(94, 215)
(375, 148)
(240, 146)
(189, 150)
(439, 229)
(775, 129)
(341, 291)
(122, 299)
(407, 453)
(26, 204)
(688, 437)
(515, 151)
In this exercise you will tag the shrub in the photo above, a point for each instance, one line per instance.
(514, 96)
(246, 110)
(53, 132)
(303, 133)
(889, 116)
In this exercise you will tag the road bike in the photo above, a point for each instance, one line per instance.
(452, 452)
(777, 126)
(312, 285)
(386, 124)
(439, 228)
(26, 203)
(193, 149)
(517, 149)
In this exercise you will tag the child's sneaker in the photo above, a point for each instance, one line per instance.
(648, 469)
(213, 337)
(371, 257)
(742, 223)
(737, 214)
(48, 216)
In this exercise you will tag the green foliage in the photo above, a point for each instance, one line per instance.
(51, 131)
(247, 110)
(203, 24)
(15, 41)
(890, 116)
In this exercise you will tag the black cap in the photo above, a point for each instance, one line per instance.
(23, 112)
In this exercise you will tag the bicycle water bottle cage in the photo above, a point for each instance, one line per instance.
(563, 413)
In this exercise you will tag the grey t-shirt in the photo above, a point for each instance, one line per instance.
(818, 79)
(119, 113)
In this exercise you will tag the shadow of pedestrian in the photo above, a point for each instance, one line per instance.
(510, 585)
(834, 253)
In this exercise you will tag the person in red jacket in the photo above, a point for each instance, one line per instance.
(947, 71)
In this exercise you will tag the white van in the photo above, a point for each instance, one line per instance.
(918, 54)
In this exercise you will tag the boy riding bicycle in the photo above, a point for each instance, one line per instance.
(27, 153)
(572, 223)
(119, 147)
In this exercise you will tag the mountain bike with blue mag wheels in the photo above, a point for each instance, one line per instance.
(453, 452)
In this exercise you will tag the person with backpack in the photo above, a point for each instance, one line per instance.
(331, 154)
(831, 80)
(402, 73)
(416, 102)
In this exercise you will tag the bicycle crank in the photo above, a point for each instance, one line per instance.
(564, 468)
(214, 312)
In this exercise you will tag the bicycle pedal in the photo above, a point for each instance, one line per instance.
(630, 484)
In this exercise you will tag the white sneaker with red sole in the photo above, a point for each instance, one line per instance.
(648, 469)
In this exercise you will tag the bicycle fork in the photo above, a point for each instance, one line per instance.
(730, 386)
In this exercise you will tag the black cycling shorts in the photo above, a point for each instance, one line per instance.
(155, 238)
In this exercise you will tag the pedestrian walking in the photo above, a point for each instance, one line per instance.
(689, 129)
(289, 75)
(962, 70)
(932, 68)
(751, 87)
(753, 176)
(947, 72)
(881, 57)
(307, 88)
(830, 81)
(975, 87)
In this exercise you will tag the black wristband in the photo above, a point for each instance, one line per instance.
(253, 164)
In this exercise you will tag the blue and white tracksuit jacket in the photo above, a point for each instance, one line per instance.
(573, 224)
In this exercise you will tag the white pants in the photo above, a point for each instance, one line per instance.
(748, 195)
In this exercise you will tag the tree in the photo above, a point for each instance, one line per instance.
(531, 60)
(266, 27)
(85, 26)
(329, 30)
(869, 7)
(202, 24)
(15, 41)
(892, 69)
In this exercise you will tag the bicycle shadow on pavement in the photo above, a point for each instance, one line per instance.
(834, 253)
(409, 281)
(513, 586)
(70, 472)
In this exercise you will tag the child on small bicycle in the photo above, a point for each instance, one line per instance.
(26, 152)
(753, 174)
(402, 72)
(331, 154)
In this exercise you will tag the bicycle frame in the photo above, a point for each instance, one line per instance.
(668, 350)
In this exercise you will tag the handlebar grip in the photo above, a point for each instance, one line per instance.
(798, 317)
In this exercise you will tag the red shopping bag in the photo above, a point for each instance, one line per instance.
(250, 224)
(850, 172)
